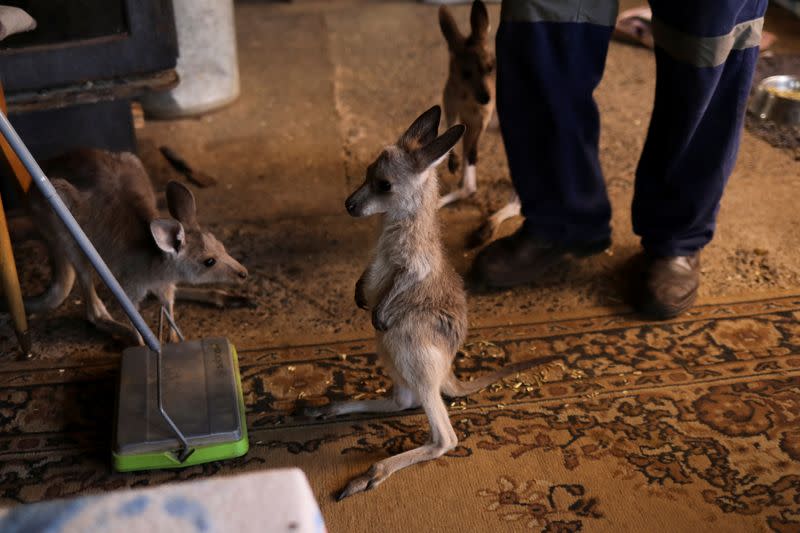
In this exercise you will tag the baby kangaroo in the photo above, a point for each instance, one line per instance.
(111, 197)
(469, 97)
(469, 91)
(417, 300)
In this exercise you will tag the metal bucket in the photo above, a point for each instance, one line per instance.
(777, 98)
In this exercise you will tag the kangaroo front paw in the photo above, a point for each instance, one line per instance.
(360, 297)
(226, 300)
(237, 301)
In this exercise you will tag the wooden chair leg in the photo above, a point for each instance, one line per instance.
(20, 172)
(8, 268)
(10, 280)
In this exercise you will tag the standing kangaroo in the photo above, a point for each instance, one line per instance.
(469, 97)
(418, 304)
(111, 197)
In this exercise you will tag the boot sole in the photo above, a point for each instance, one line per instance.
(656, 311)
(476, 282)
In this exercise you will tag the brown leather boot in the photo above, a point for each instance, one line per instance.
(669, 285)
(520, 259)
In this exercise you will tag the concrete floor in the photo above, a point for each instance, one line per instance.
(324, 86)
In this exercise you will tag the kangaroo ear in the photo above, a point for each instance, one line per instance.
(450, 29)
(168, 235)
(180, 202)
(422, 131)
(435, 152)
(479, 20)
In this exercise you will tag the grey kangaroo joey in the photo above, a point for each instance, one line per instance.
(111, 197)
(469, 97)
(417, 300)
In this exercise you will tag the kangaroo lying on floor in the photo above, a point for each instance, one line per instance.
(418, 304)
(469, 97)
(111, 197)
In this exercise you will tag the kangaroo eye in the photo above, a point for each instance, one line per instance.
(384, 186)
(210, 262)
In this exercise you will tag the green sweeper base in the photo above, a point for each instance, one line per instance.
(203, 396)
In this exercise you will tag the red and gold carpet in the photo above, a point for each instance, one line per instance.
(678, 426)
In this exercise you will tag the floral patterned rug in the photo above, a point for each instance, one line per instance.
(675, 426)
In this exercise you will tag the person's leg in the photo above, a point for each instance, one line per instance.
(547, 71)
(706, 51)
(550, 58)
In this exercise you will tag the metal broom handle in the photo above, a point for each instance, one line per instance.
(52, 197)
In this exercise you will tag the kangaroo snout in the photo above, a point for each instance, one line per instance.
(362, 202)
(351, 206)
(357, 203)
(239, 270)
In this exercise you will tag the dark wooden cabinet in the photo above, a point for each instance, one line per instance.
(79, 41)
(69, 83)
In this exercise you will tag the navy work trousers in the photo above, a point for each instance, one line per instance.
(547, 70)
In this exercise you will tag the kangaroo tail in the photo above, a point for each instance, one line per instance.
(59, 289)
(453, 388)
